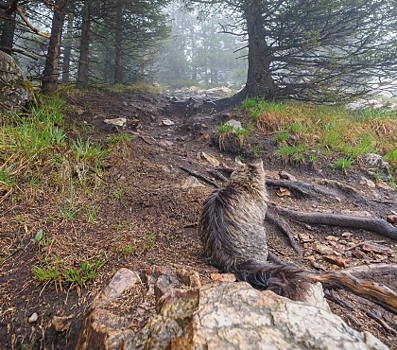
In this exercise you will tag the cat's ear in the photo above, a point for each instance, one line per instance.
(258, 162)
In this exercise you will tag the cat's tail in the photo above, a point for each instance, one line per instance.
(283, 279)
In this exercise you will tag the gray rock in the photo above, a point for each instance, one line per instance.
(374, 165)
(236, 316)
(235, 124)
(228, 315)
(13, 91)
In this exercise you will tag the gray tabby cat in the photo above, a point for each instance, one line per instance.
(234, 237)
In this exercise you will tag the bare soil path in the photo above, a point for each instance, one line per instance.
(146, 213)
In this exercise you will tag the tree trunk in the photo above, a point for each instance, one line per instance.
(118, 67)
(51, 68)
(7, 34)
(194, 54)
(259, 81)
(83, 71)
(67, 51)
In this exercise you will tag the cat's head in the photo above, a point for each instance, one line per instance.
(250, 172)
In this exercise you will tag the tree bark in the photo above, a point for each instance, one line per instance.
(51, 68)
(67, 50)
(9, 25)
(83, 69)
(259, 80)
(118, 67)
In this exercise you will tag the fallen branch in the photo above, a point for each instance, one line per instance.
(379, 226)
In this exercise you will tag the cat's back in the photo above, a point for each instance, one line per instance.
(232, 219)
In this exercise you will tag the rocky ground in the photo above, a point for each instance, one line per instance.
(147, 209)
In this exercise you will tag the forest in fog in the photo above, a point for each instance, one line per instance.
(319, 51)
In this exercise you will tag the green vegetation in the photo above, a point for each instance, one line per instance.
(90, 215)
(223, 129)
(291, 153)
(266, 115)
(256, 148)
(128, 249)
(304, 132)
(57, 271)
(39, 237)
(227, 133)
(40, 165)
(69, 212)
(150, 240)
(342, 163)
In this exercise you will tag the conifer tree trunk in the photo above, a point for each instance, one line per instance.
(259, 81)
(67, 50)
(7, 33)
(51, 68)
(118, 65)
(83, 69)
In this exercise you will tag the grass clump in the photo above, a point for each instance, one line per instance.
(301, 128)
(293, 154)
(342, 163)
(229, 134)
(266, 115)
(57, 271)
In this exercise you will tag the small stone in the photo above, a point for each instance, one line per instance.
(384, 186)
(166, 143)
(336, 260)
(332, 238)
(367, 182)
(304, 237)
(392, 219)
(286, 176)
(323, 249)
(283, 192)
(210, 159)
(33, 317)
(166, 169)
(62, 324)
(347, 234)
(191, 182)
(358, 254)
(117, 122)
(234, 124)
(167, 122)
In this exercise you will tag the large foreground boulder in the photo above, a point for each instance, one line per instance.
(225, 316)
(13, 92)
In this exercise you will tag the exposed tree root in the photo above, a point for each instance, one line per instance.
(302, 188)
(379, 226)
(199, 176)
(283, 226)
(372, 291)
